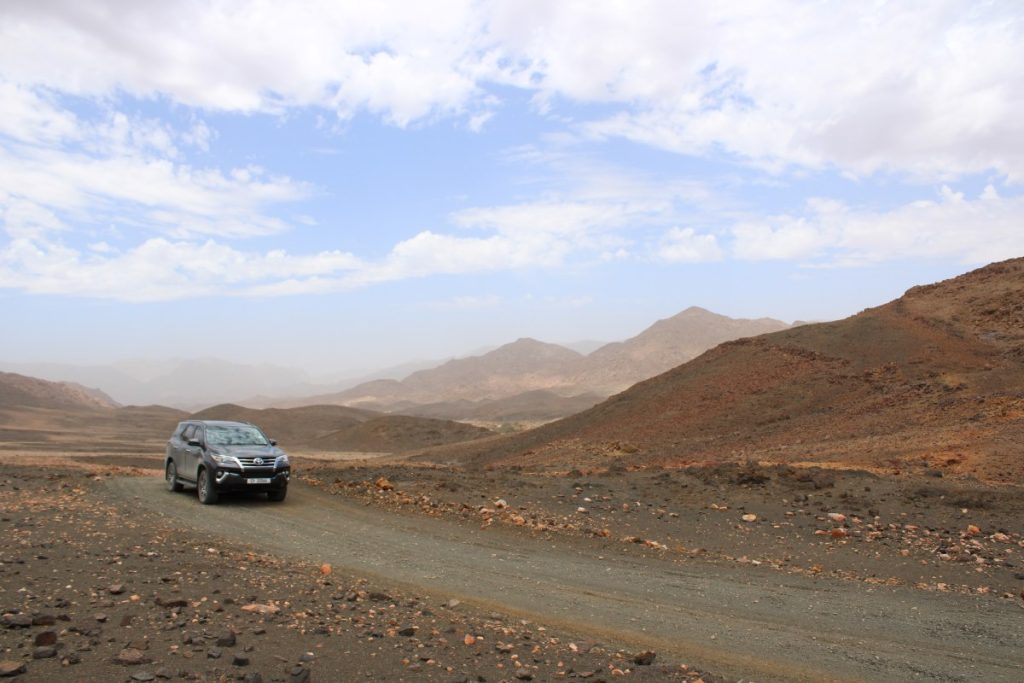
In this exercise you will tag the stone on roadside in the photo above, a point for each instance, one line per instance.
(44, 638)
(645, 658)
(749, 517)
(44, 652)
(257, 608)
(131, 656)
(836, 517)
(17, 620)
(226, 639)
(11, 668)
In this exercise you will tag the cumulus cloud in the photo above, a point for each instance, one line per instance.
(951, 226)
(157, 269)
(685, 245)
(929, 88)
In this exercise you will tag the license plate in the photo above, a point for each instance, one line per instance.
(261, 480)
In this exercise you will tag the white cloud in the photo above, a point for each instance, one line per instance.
(972, 231)
(157, 269)
(930, 88)
(685, 245)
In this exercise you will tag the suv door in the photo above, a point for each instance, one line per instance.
(191, 455)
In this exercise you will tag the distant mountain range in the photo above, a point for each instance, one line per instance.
(526, 380)
(512, 375)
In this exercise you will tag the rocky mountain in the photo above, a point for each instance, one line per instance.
(506, 378)
(932, 381)
(665, 344)
(19, 391)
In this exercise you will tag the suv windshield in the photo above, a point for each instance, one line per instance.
(235, 435)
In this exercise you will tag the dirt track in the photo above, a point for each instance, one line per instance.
(745, 622)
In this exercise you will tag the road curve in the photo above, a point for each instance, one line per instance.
(746, 622)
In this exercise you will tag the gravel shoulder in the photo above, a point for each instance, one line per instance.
(745, 622)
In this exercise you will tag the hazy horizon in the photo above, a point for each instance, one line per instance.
(347, 187)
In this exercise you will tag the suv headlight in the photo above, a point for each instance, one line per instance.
(281, 460)
(225, 460)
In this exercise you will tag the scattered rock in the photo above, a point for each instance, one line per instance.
(325, 569)
(11, 668)
(750, 517)
(240, 660)
(226, 639)
(46, 638)
(408, 631)
(17, 620)
(836, 517)
(257, 608)
(298, 674)
(116, 589)
(645, 658)
(44, 652)
(170, 603)
(383, 484)
(131, 656)
(143, 676)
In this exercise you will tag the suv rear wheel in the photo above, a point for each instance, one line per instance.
(172, 478)
(204, 487)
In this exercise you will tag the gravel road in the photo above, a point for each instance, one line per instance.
(745, 622)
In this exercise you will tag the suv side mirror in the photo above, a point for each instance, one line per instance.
(194, 442)
(273, 443)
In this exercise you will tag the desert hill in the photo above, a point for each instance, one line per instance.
(467, 388)
(38, 415)
(398, 433)
(290, 426)
(933, 380)
(340, 428)
(530, 406)
(19, 391)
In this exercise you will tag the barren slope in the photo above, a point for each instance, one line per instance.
(19, 391)
(291, 427)
(398, 433)
(934, 379)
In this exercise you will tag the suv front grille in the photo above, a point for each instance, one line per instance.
(250, 461)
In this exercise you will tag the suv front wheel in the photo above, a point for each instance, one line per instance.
(205, 488)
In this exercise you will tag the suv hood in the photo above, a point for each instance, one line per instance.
(250, 451)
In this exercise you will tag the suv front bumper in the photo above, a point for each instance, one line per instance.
(233, 480)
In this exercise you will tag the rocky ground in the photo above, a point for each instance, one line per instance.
(932, 533)
(92, 589)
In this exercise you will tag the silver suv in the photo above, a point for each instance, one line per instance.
(216, 455)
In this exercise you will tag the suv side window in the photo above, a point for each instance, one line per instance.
(199, 436)
(186, 435)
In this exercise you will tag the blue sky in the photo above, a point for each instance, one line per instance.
(332, 185)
